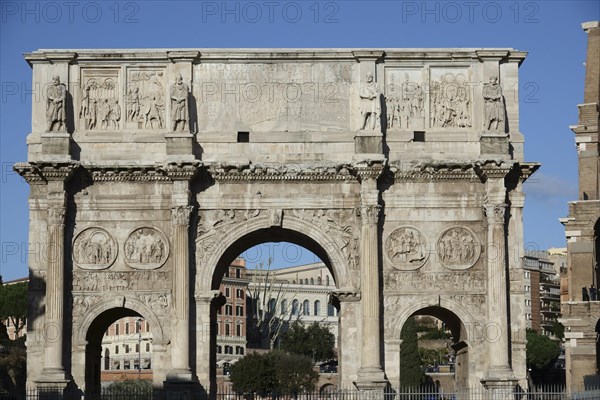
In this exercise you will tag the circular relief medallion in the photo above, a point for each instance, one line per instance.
(406, 249)
(146, 248)
(94, 248)
(458, 248)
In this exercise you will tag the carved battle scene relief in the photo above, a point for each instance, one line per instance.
(117, 281)
(145, 99)
(94, 248)
(405, 99)
(146, 248)
(451, 98)
(458, 248)
(406, 249)
(434, 282)
(99, 108)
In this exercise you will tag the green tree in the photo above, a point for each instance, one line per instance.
(13, 305)
(314, 341)
(273, 372)
(136, 388)
(411, 374)
(542, 352)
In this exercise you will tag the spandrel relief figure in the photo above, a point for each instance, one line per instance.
(406, 249)
(458, 248)
(146, 248)
(450, 102)
(179, 104)
(56, 95)
(100, 107)
(393, 111)
(133, 104)
(494, 105)
(370, 103)
(94, 248)
(145, 100)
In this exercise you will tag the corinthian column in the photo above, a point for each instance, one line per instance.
(499, 375)
(53, 372)
(371, 374)
(180, 356)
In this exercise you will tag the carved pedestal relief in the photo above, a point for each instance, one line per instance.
(406, 249)
(94, 248)
(451, 102)
(99, 108)
(146, 248)
(404, 99)
(145, 99)
(458, 248)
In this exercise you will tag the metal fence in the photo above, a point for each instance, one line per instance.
(540, 393)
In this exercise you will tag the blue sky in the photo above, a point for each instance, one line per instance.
(551, 77)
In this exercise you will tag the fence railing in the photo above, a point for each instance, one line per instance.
(538, 393)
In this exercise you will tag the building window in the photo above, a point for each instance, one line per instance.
(306, 307)
(117, 329)
(226, 292)
(227, 329)
(327, 280)
(312, 281)
(239, 293)
(319, 281)
(271, 306)
(228, 309)
(117, 349)
(147, 347)
(238, 330)
(284, 307)
(127, 328)
(295, 307)
(239, 350)
(238, 273)
(239, 311)
(317, 307)
(219, 349)
(126, 349)
(137, 348)
(330, 310)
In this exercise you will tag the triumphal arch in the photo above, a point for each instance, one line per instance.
(151, 170)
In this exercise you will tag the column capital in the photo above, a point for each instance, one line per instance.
(180, 215)
(346, 295)
(207, 297)
(495, 213)
(369, 214)
(56, 215)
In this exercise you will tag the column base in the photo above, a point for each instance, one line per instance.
(500, 383)
(52, 380)
(371, 384)
(181, 375)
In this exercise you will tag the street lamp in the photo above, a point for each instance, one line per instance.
(139, 330)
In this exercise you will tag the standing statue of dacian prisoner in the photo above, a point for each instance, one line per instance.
(56, 95)
(494, 105)
(370, 103)
(179, 103)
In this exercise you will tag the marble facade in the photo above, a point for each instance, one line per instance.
(391, 165)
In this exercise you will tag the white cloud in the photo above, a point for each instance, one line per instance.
(545, 186)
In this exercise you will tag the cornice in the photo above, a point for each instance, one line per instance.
(315, 171)
(43, 172)
(136, 172)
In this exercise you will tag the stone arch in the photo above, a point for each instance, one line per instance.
(125, 304)
(245, 234)
(434, 301)
(457, 319)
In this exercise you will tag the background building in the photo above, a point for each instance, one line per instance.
(582, 229)
(231, 316)
(542, 291)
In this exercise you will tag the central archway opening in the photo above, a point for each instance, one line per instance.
(270, 282)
